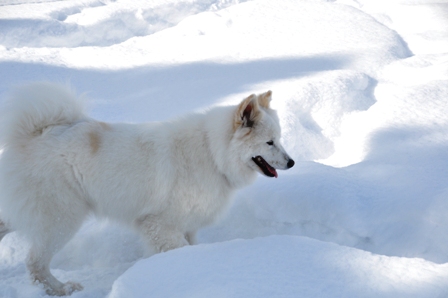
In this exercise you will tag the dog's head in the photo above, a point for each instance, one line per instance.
(257, 132)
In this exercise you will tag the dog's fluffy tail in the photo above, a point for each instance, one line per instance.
(32, 108)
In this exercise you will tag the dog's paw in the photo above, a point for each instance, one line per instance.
(70, 287)
(67, 289)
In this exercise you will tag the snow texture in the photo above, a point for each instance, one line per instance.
(361, 88)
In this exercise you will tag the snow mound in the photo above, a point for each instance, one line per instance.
(248, 31)
(242, 268)
(93, 22)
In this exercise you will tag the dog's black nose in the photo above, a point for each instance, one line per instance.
(290, 163)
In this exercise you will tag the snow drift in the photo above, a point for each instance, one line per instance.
(361, 90)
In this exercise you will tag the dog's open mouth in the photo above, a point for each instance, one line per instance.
(264, 166)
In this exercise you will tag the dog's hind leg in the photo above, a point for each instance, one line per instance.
(50, 237)
(38, 264)
(3, 230)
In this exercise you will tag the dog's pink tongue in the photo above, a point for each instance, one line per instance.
(274, 172)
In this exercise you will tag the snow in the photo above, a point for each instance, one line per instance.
(259, 268)
(360, 87)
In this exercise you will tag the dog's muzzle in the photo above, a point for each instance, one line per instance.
(266, 168)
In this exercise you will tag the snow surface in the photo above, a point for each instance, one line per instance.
(361, 87)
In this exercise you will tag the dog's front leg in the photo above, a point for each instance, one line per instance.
(159, 235)
(191, 237)
(4, 229)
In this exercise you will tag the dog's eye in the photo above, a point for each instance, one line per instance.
(270, 143)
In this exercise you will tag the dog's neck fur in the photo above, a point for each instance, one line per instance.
(219, 122)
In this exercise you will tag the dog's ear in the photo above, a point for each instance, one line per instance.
(247, 113)
(264, 99)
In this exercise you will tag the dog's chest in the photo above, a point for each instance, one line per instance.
(200, 205)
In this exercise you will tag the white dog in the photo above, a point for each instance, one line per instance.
(166, 180)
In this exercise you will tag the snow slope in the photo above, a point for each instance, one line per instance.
(259, 268)
(361, 87)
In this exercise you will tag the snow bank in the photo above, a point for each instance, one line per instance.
(248, 31)
(303, 268)
(79, 23)
(421, 23)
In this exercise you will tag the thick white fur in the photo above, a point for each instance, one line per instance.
(166, 179)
